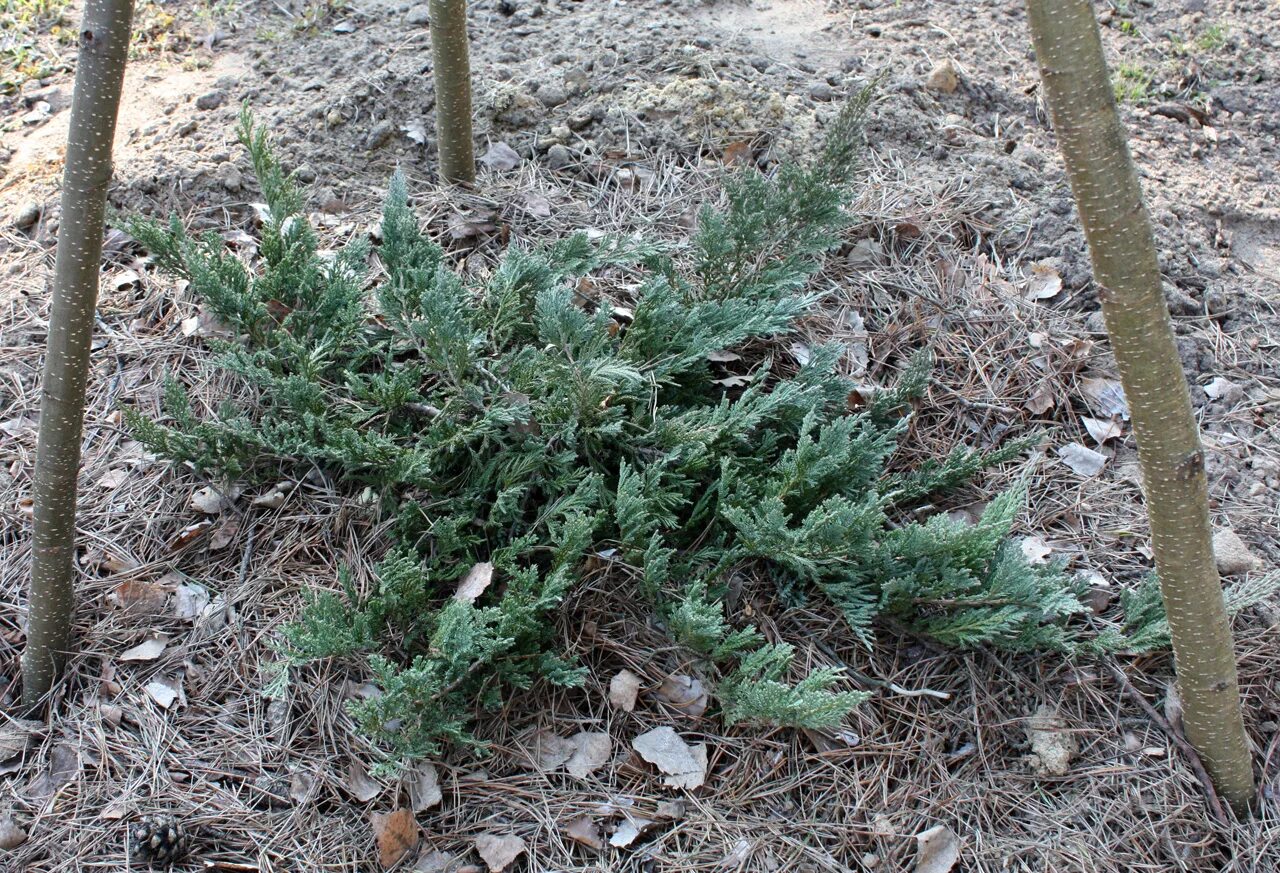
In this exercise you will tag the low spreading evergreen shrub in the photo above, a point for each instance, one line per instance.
(521, 430)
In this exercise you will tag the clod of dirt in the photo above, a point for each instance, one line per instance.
(694, 108)
(418, 15)
(1232, 555)
(379, 135)
(1052, 745)
(943, 78)
(559, 157)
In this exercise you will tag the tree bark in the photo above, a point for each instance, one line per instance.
(1118, 229)
(452, 72)
(104, 49)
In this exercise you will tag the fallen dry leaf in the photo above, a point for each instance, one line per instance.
(435, 861)
(685, 765)
(500, 156)
(190, 535)
(1102, 430)
(1036, 550)
(209, 500)
(64, 766)
(125, 278)
(583, 831)
(1225, 390)
(359, 785)
(628, 830)
(1105, 397)
(592, 751)
(684, 693)
(937, 850)
(396, 833)
(1041, 400)
(723, 356)
(275, 498)
(475, 583)
(623, 690)
(301, 785)
(536, 205)
(1082, 460)
(225, 534)
(1043, 283)
(190, 600)
(499, 850)
(164, 691)
(115, 478)
(136, 597)
(736, 153)
(109, 562)
(14, 735)
(416, 131)
(424, 787)
(147, 650)
(551, 751)
(737, 857)
(16, 427)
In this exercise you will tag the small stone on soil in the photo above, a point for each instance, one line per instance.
(821, 91)
(211, 100)
(1231, 554)
(419, 15)
(26, 215)
(229, 176)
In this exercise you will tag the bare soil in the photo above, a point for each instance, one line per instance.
(623, 116)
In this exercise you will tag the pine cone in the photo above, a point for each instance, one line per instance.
(158, 839)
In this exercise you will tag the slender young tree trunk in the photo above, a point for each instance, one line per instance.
(1094, 148)
(451, 67)
(104, 48)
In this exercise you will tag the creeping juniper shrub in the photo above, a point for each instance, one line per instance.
(519, 422)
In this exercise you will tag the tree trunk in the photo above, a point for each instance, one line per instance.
(452, 73)
(104, 48)
(1094, 148)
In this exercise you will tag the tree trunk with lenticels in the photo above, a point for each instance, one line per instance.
(1074, 72)
(103, 51)
(451, 69)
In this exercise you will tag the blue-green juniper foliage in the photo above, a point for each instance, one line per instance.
(521, 420)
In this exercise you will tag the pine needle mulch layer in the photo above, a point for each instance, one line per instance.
(1031, 763)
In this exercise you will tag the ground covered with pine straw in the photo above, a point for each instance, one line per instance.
(1021, 764)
